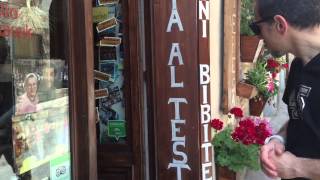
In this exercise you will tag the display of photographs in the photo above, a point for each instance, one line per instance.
(110, 61)
(113, 98)
(37, 81)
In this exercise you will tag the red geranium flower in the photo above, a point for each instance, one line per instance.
(216, 124)
(245, 132)
(248, 132)
(237, 112)
(285, 65)
(272, 63)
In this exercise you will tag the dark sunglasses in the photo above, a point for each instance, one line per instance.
(254, 25)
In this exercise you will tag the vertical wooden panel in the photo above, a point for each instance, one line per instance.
(207, 167)
(176, 88)
(231, 53)
(83, 125)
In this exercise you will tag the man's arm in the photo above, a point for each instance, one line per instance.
(289, 166)
(309, 168)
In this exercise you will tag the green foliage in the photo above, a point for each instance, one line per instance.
(258, 77)
(236, 156)
(247, 15)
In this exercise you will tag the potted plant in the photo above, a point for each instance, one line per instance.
(263, 77)
(248, 41)
(236, 146)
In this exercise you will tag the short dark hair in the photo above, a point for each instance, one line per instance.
(299, 13)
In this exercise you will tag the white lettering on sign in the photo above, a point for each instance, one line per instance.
(206, 146)
(206, 170)
(204, 9)
(175, 52)
(174, 17)
(175, 130)
(177, 102)
(181, 162)
(179, 158)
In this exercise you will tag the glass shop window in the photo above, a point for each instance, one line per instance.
(34, 94)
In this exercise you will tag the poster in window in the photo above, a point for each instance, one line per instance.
(40, 124)
(37, 81)
(42, 136)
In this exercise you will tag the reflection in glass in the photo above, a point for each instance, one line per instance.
(34, 102)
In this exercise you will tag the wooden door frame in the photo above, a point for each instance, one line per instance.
(82, 101)
(148, 29)
(136, 89)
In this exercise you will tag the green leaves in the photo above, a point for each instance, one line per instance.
(247, 15)
(235, 156)
(258, 77)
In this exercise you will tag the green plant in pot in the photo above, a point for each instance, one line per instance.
(260, 77)
(248, 41)
(236, 145)
(265, 82)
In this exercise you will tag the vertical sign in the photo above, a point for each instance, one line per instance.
(207, 167)
(176, 90)
(181, 88)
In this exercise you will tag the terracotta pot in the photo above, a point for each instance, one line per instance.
(223, 173)
(248, 47)
(256, 106)
(246, 90)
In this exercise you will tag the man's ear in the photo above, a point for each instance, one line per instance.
(281, 24)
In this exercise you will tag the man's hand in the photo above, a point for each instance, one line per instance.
(286, 165)
(268, 153)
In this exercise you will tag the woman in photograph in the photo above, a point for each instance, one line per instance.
(27, 102)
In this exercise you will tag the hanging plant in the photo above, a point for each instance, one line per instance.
(32, 17)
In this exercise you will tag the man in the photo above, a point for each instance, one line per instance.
(27, 102)
(293, 26)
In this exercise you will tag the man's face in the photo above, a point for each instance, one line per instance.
(270, 36)
(31, 87)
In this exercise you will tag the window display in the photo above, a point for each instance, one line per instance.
(34, 94)
(109, 59)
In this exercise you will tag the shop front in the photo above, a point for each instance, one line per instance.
(105, 89)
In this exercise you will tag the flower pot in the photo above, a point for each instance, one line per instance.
(256, 106)
(249, 48)
(223, 173)
(246, 90)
